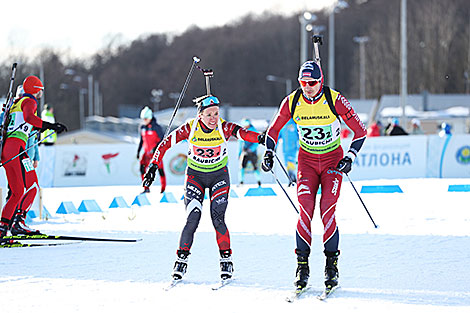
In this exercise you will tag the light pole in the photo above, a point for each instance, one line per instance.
(174, 95)
(156, 98)
(78, 77)
(97, 99)
(403, 65)
(361, 40)
(81, 102)
(81, 107)
(305, 19)
(41, 76)
(287, 81)
(337, 6)
(90, 95)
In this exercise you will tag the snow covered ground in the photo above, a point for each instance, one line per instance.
(417, 260)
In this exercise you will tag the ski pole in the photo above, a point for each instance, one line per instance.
(6, 106)
(208, 74)
(24, 151)
(285, 171)
(357, 193)
(10, 89)
(285, 192)
(317, 40)
(181, 96)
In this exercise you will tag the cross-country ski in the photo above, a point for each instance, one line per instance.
(297, 294)
(17, 244)
(222, 283)
(61, 237)
(327, 292)
(172, 284)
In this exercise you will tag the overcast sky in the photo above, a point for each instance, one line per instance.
(82, 27)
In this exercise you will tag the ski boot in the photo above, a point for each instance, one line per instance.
(181, 264)
(4, 227)
(3, 230)
(331, 269)
(226, 264)
(303, 271)
(146, 190)
(19, 227)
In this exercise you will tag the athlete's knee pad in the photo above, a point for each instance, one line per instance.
(193, 210)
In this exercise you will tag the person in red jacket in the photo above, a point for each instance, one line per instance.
(320, 161)
(20, 171)
(150, 136)
(207, 137)
(374, 129)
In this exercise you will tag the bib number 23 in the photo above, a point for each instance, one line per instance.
(316, 133)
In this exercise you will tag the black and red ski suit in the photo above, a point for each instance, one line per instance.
(200, 176)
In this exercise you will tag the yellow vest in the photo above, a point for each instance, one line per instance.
(207, 152)
(319, 129)
(18, 127)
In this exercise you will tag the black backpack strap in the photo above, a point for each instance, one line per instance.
(327, 92)
(297, 95)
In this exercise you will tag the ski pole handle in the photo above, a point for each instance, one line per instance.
(208, 74)
(317, 40)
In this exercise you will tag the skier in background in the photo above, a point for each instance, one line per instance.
(48, 115)
(248, 153)
(207, 137)
(290, 148)
(151, 135)
(20, 171)
(320, 162)
(394, 129)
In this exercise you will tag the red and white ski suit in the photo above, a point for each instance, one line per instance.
(20, 173)
(320, 151)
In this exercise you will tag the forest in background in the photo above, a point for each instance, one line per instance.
(243, 53)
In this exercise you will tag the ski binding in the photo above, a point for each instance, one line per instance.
(297, 293)
(222, 283)
(327, 292)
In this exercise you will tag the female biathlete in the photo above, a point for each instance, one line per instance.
(207, 136)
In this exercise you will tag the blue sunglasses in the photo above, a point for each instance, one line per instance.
(209, 101)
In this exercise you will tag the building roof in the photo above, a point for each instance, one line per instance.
(92, 137)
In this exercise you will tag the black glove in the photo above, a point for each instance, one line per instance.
(344, 165)
(57, 127)
(149, 177)
(268, 161)
(262, 138)
(138, 155)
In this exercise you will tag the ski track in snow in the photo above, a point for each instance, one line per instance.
(416, 260)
